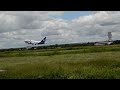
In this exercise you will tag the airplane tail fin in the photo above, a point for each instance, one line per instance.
(43, 41)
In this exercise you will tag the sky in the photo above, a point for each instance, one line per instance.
(60, 27)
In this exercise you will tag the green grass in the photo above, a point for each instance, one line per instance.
(62, 51)
(96, 62)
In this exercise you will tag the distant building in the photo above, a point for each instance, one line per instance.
(98, 44)
(103, 43)
(109, 42)
(109, 36)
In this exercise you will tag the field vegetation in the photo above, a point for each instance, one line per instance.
(80, 62)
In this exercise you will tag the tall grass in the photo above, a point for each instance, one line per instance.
(100, 65)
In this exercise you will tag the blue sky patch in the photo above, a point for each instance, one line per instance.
(69, 15)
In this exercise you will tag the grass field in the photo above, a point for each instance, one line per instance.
(86, 62)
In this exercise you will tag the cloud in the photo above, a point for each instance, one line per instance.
(16, 26)
(17, 20)
(97, 24)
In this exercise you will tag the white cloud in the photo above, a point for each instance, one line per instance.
(97, 24)
(16, 26)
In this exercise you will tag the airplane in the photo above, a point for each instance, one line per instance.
(35, 42)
